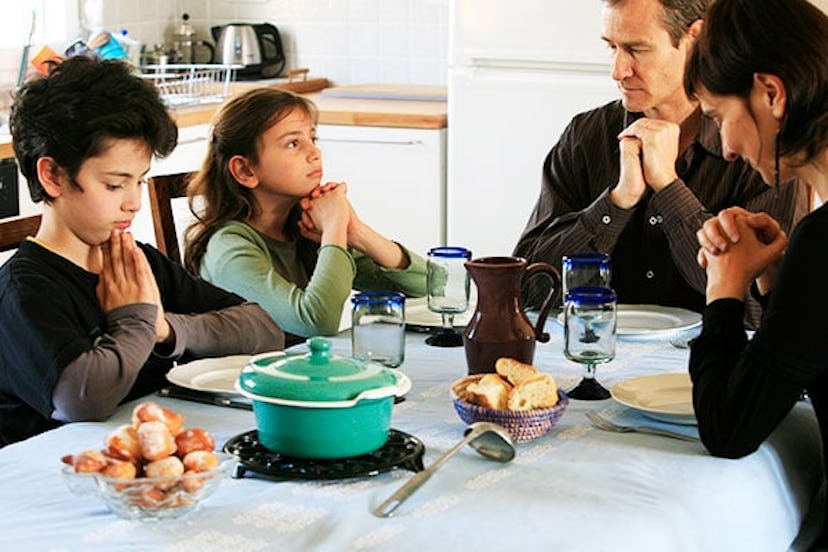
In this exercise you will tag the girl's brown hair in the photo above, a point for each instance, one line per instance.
(214, 195)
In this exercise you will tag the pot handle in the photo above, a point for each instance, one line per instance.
(551, 298)
(402, 387)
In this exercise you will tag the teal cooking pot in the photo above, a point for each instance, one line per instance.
(318, 405)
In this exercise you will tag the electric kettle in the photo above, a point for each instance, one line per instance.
(257, 48)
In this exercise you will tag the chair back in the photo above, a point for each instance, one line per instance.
(162, 190)
(13, 232)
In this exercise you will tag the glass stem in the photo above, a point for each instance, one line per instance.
(590, 371)
(448, 321)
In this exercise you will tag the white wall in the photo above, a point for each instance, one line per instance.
(347, 41)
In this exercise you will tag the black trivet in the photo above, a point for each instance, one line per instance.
(401, 451)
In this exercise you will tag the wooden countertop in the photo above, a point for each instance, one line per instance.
(345, 111)
(332, 110)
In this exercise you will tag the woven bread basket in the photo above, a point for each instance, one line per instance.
(523, 425)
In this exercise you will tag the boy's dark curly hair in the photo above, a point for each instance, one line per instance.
(71, 114)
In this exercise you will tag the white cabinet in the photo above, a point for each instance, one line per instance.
(396, 179)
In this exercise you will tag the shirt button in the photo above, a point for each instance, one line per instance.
(660, 219)
(650, 274)
(606, 219)
(653, 221)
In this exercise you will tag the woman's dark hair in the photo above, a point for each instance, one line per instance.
(786, 38)
(71, 115)
(215, 196)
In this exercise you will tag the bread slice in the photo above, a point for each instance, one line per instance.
(490, 391)
(540, 391)
(514, 371)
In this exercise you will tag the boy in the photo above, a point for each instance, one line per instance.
(90, 318)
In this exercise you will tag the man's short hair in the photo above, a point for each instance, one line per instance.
(678, 15)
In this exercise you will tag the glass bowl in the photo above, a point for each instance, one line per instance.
(523, 425)
(150, 498)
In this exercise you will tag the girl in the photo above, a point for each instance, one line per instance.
(760, 70)
(269, 230)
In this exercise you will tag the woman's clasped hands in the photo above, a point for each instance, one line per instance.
(737, 247)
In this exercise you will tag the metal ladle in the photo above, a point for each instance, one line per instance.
(491, 440)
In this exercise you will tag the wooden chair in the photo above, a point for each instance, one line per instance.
(13, 232)
(162, 190)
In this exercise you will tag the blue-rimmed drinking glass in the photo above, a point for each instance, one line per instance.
(590, 319)
(585, 270)
(448, 291)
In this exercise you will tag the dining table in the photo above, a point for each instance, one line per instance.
(575, 488)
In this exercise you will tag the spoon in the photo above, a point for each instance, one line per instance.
(490, 440)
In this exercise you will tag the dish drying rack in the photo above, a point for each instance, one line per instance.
(182, 85)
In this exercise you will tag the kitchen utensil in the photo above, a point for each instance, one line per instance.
(448, 291)
(499, 326)
(258, 48)
(185, 43)
(490, 440)
(602, 423)
(318, 405)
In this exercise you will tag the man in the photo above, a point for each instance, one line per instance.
(612, 183)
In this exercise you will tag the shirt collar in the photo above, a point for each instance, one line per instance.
(708, 136)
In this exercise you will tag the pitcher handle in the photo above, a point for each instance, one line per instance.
(551, 298)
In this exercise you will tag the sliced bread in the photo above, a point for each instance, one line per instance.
(514, 371)
(491, 391)
(539, 391)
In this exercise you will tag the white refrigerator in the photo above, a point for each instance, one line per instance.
(518, 71)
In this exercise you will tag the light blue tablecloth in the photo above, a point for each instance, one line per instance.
(577, 488)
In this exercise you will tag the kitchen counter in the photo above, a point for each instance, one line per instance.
(332, 110)
(345, 111)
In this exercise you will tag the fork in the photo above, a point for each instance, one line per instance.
(602, 423)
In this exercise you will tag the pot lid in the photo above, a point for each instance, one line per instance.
(313, 376)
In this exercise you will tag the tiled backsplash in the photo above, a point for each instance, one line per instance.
(347, 41)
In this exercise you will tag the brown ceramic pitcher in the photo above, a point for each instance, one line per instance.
(499, 326)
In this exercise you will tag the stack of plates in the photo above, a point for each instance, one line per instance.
(652, 320)
(664, 397)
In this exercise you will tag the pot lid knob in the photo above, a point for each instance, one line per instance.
(320, 350)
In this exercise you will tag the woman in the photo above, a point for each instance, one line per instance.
(760, 70)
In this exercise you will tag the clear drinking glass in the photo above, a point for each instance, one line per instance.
(378, 327)
(448, 291)
(590, 319)
(585, 270)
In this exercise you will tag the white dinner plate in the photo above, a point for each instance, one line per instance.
(664, 397)
(418, 316)
(646, 320)
(213, 375)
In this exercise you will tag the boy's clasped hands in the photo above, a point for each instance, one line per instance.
(125, 278)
